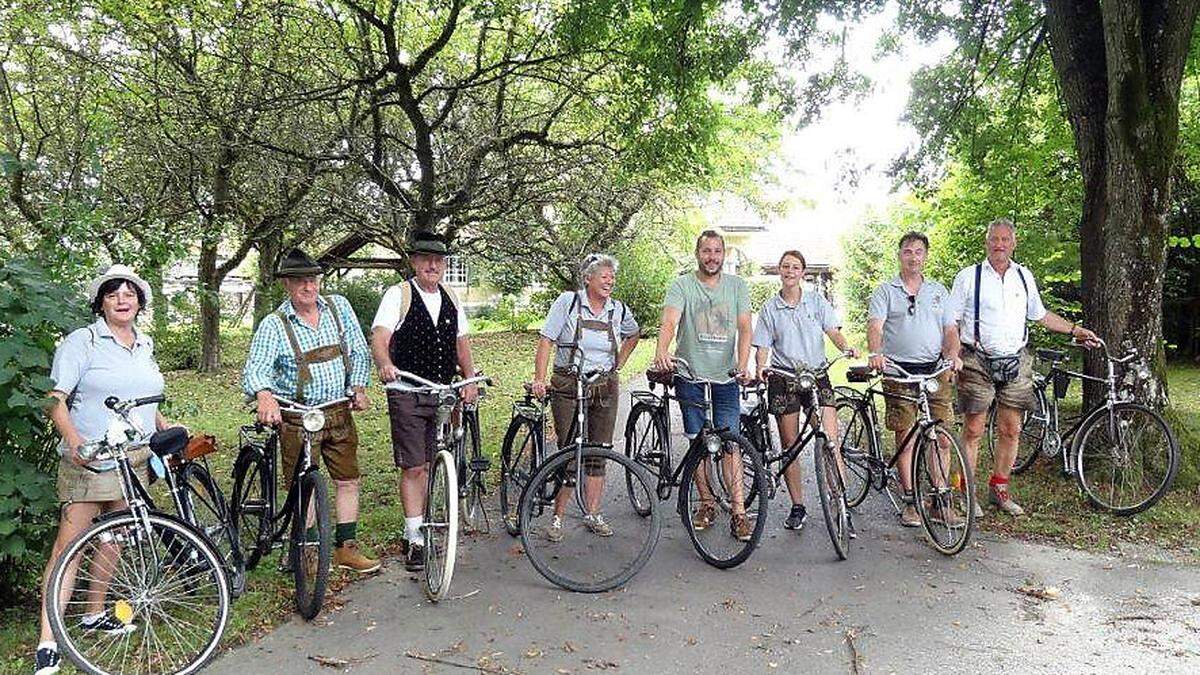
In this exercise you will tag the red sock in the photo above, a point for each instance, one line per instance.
(997, 480)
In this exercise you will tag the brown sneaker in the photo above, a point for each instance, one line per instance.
(740, 527)
(946, 515)
(909, 516)
(998, 495)
(349, 557)
(704, 516)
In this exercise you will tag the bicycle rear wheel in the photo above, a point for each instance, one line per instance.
(159, 579)
(471, 476)
(602, 541)
(206, 509)
(441, 525)
(1029, 443)
(311, 547)
(250, 511)
(519, 457)
(944, 490)
(833, 497)
(856, 441)
(711, 485)
(645, 444)
(1126, 458)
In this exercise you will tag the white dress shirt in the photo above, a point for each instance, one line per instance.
(1004, 307)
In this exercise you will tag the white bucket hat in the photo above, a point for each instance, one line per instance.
(119, 272)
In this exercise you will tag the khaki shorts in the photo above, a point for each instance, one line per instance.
(336, 444)
(414, 427)
(901, 414)
(77, 484)
(976, 391)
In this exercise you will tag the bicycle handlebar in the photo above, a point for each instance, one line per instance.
(426, 386)
(906, 377)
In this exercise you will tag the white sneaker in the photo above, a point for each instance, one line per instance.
(597, 525)
(555, 531)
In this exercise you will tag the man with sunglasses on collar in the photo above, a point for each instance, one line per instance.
(907, 324)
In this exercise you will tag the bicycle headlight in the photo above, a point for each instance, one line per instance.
(931, 386)
(313, 421)
(1143, 372)
(807, 381)
(712, 443)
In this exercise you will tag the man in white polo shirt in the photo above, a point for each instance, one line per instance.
(992, 302)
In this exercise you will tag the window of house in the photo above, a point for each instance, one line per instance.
(456, 271)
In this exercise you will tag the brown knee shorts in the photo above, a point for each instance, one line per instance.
(784, 395)
(976, 391)
(77, 484)
(901, 414)
(336, 444)
(414, 427)
(601, 414)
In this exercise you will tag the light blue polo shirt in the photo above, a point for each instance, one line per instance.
(92, 364)
(559, 328)
(915, 337)
(795, 334)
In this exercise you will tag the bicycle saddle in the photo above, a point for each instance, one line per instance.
(665, 377)
(859, 374)
(169, 441)
(1051, 354)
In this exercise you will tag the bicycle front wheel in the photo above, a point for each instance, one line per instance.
(944, 490)
(138, 596)
(441, 525)
(311, 545)
(1125, 458)
(714, 486)
(856, 442)
(832, 491)
(589, 538)
(519, 457)
(206, 509)
(250, 511)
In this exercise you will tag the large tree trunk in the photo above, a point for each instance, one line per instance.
(210, 305)
(1119, 65)
(266, 295)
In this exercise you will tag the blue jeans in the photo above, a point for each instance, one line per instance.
(726, 411)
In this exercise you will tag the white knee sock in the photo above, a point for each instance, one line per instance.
(412, 529)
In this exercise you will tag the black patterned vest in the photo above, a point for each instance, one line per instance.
(424, 349)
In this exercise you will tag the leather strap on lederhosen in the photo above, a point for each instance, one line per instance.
(318, 355)
(593, 324)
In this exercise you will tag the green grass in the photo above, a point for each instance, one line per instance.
(212, 403)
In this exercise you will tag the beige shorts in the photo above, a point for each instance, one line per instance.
(976, 391)
(77, 484)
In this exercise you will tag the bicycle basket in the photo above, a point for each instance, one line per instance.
(859, 374)
(1062, 382)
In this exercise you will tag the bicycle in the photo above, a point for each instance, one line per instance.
(608, 561)
(440, 528)
(705, 476)
(262, 523)
(830, 483)
(155, 574)
(1114, 449)
(943, 487)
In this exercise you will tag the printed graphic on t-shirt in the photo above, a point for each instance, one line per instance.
(713, 325)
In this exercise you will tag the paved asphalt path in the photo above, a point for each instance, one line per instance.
(1002, 606)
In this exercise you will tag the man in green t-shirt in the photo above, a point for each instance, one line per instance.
(707, 314)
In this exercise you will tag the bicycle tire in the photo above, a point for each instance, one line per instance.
(208, 512)
(955, 495)
(1088, 464)
(536, 500)
(471, 486)
(856, 442)
(441, 525)
(751, 464)
(185, 563)
(517, 465)
(833, 497)
(249, 510)
(649, 457)
(1029, 443)
(310, 592)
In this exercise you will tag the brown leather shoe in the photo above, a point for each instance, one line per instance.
(349, 557)
(740, 527)
(703, 516)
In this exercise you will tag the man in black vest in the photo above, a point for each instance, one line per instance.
(420, 328)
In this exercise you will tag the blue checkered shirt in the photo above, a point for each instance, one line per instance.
(271, 363)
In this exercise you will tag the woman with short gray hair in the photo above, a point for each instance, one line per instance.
(589, 331)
